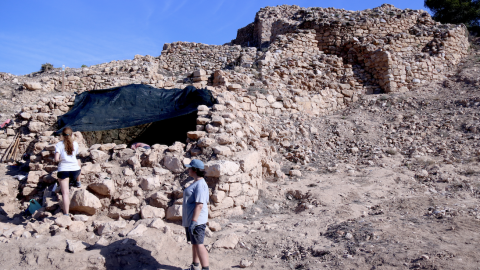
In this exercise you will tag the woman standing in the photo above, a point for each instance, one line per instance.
(195, 214)
(68, 166)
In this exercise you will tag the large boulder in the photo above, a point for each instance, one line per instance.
(150, 183)
(174, 212)
(218, 168)
(105, 188)
(159, 199)
(32, 86)
(36, 127)
(174, 164)
(152, 212)
(63, 221)
(99, 156)
(85, 202)
(222, 150)
(91, 168)
(227, 242)
(249, 160)
(195, 135)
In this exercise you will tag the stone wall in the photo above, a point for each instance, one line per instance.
(311, 62)
(396, 48)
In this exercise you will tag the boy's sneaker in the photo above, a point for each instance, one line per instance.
(193, 267)
(78, 184)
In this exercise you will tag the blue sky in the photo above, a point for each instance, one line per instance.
(73, 32)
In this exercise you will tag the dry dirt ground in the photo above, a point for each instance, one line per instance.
(394, 185)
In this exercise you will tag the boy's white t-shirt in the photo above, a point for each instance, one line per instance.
(67, 163)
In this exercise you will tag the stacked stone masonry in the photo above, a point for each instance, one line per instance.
(289, 61)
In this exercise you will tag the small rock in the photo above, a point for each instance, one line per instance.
(244, 263)
(63, 221)
(295, 173)
(214, 226)
(75, 246)
(227, 241)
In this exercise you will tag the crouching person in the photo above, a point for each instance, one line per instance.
(195, 214)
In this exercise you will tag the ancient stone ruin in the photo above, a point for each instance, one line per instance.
(291, 61)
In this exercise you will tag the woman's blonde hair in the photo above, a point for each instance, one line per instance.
(68, 140)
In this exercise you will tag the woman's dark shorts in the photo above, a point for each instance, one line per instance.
(72, 175)
(198, 234)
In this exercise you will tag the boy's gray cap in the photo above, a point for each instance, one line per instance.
(196, 164)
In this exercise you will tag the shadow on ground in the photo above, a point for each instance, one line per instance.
(125, 254)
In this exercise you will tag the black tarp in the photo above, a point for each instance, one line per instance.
(131, 105)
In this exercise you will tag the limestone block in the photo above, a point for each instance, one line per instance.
(152, 212)
(26, 115)
(202, 108)
(74, 246)
(295, 173)
(82, 218)
(107, 147)
(85, 202)
(36, 127)
(347, 93)
(202, 121)
(214, 226)
(271, 99)
(199, 72)
(29, 191)
(157, 224)
(33, 86)
(126, 214)
(218, 120)
(225, 139)
(91, 168)
(150, 183)
(262, 103)
(218, 196)
(77, 226)
(151, 160)
(219, 107)
(106, 187)
(234, 87)
(111, 227)
(228, 241)
(63, 221)
(132, 201)
(222, 150)
(174, 212)
(248, 160)
(226, 203)
(277, 105)
(195, 135)
(211, 129)
(159, 199)
(174, 164)
(235, 189)
(218, 168)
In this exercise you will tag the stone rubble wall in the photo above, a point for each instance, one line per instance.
(120, 182)
(186, 57)
(303, 67)
(396, 48)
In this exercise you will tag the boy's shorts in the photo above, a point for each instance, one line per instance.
(198, 234)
